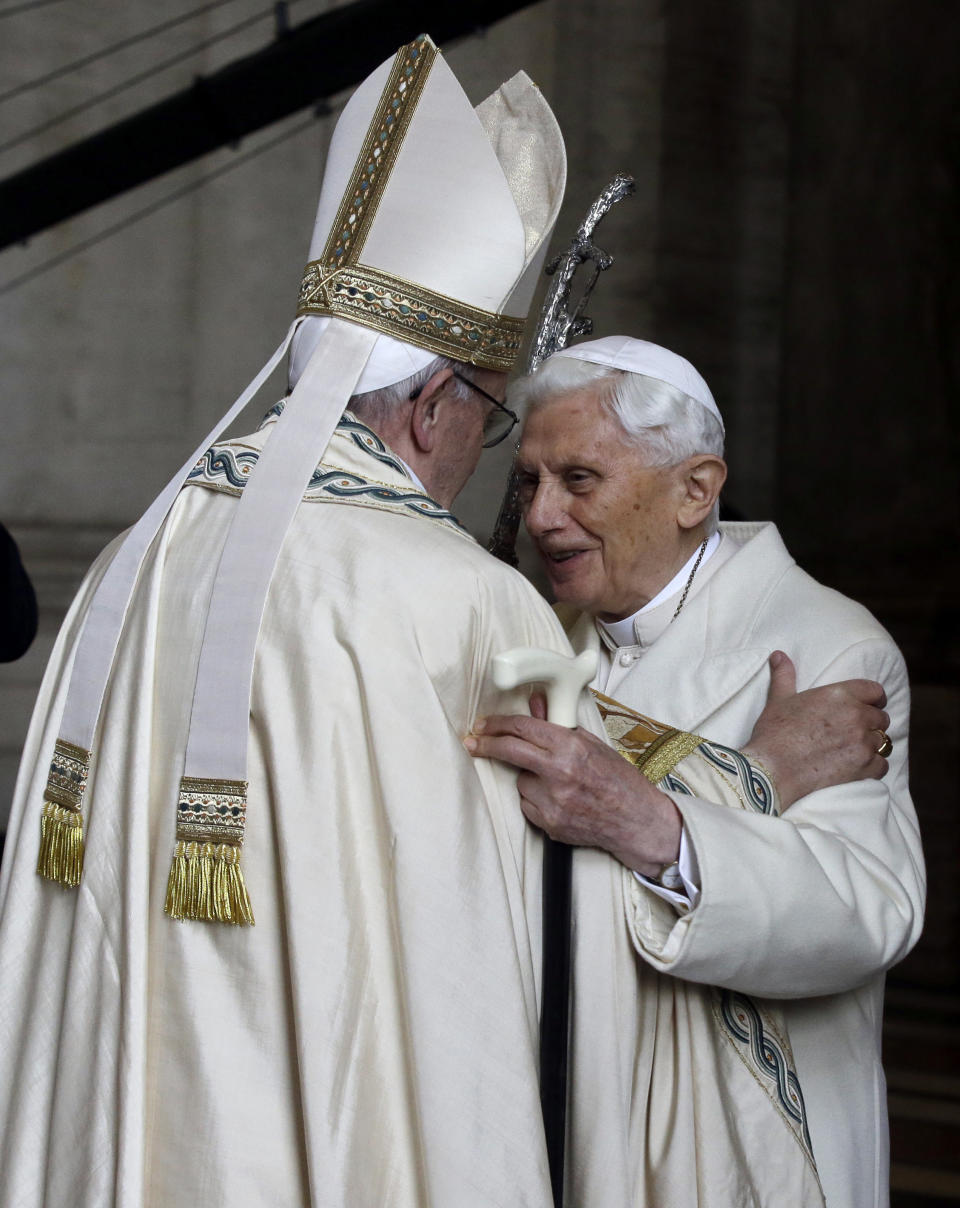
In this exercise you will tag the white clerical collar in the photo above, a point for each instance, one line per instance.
(625, 631)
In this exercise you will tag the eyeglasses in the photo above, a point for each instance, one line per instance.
(499, 423)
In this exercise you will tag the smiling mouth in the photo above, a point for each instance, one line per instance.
(556, 557)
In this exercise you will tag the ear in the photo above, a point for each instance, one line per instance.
(427, 409)
(703, 477)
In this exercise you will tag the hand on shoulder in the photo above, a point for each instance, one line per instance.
(824, 736)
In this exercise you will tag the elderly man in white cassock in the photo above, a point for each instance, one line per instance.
(794, 887)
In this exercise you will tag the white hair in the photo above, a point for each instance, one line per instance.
(375, 406)
(667, 424)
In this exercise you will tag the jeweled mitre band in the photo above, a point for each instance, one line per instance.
(411, 312)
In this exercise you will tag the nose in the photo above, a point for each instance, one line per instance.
(544, 513)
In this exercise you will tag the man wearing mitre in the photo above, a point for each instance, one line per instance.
(254, 712)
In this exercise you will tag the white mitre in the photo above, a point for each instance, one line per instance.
(461, 204)
(431, 230)
(651, 360)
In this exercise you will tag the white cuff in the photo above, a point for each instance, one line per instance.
(689, 869)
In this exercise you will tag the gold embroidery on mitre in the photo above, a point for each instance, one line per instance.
(206, 880)
(653, 748)
(338, 284)
(378, 153)
(60, 858)
(413, 313)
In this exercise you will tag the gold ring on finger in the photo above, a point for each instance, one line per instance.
(886, 743)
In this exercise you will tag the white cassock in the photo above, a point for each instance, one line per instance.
(372, 1040)
(810, 908)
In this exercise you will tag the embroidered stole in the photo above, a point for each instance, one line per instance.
(752, 1029)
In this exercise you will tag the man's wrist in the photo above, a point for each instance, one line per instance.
(679, 883)
(781, 785)
(657, 846)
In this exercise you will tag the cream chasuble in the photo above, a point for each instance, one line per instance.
(372, 1040)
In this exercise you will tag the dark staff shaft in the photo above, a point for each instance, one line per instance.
(555, 1010)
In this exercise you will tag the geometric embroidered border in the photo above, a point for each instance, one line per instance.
(769, 1057)
(381, 144)
(757, 787)
(60, 856)
(211, 811)
(655, 749)
(367, 440)
(751, 783)
(341, 485)
(413, 313)
(206, 882)
(67, 778)
(363, 437)
(224, 468)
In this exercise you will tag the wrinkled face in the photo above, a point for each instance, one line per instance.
(604, 523)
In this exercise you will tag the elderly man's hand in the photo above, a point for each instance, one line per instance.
(821, 737)
(580, 791)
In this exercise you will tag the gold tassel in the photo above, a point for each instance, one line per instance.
(206, 881)
(61, 845)
(206, 884)
(61, 825)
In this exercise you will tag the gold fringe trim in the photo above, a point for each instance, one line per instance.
(206, 884)
(663, 755)
(61, 845)
(652, 747)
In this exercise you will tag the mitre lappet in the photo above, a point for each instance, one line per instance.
(431, 230)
